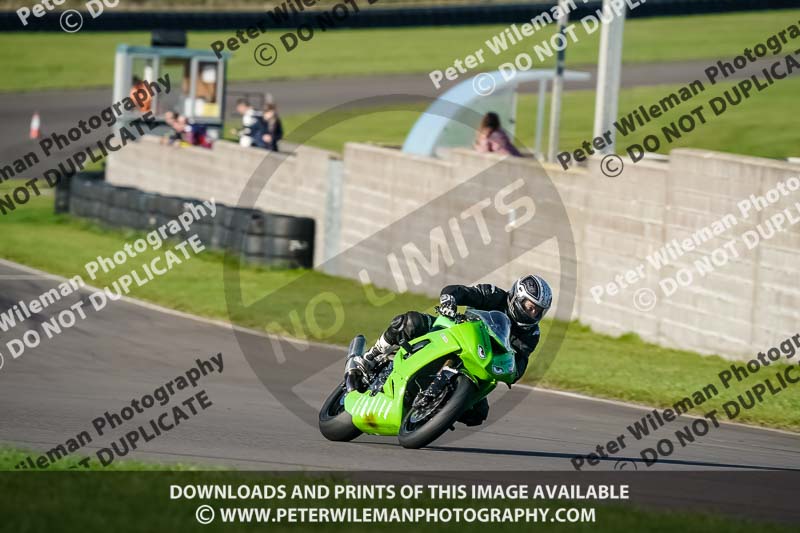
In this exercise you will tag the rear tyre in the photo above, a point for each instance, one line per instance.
(421, 434)
(335, 423)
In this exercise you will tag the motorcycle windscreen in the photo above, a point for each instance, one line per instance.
(498, 324)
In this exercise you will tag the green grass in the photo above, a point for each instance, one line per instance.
(85, 59)
(626, 368)
(623, 368)
(123, 502)
(758, 126)
(68, 497)
(63, 245)
(10, 457)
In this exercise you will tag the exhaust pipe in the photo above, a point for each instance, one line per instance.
(354, 369)
(357, 346)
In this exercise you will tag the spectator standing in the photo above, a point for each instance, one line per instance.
(273, 128)
(252, 125)
(492, 138)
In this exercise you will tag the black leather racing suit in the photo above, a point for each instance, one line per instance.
(484, 297)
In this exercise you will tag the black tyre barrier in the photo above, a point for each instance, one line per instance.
(76, 206)
(204, 232)
(148, 203)
(295, 252)
(98, 209)
(120, 197)
(105, 191)
(271, 239)
(253, 245)
(170, 206)
(219, 237)
(238, 219)
(113, 216)
(76, 189)
(281, 263)
(291, 227)
(238, 222)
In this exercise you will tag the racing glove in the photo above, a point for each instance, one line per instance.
(447, 306)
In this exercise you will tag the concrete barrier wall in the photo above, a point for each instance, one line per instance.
(382, 186)
(748, 301)
(741, 307)
(297, 184)
(751, 303)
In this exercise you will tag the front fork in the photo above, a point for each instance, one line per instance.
(439, 382)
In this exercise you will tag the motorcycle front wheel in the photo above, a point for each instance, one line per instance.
(335, 423)
(418, 433)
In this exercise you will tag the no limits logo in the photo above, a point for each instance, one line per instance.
(446, 225)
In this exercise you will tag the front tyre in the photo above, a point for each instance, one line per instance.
(335, 423)
(418, 434)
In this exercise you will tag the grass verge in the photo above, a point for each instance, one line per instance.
(59, 60)
(11, 457)
(623, 368)
(757, 126)
(142, 501)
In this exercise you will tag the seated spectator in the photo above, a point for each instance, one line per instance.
(492, 138)
(252, 125)
(273, 128)
(139, 85)
(186, 132)
(171, 119)
(196, 134)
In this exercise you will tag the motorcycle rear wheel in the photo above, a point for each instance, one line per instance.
(335, 423)
(419, 435)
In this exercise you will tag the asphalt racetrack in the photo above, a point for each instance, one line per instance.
(129, 349)
(61, 110)
(50, 393)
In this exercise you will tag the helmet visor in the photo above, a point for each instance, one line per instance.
(531, 309)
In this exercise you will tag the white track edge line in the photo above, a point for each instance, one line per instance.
(228, 325)
(174, 312)
(643, 407)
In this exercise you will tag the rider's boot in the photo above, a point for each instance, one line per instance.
(381, 348)
(358, 370)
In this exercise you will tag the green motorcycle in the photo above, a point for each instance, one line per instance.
(420, 388)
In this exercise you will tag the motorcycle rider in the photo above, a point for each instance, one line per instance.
(525, 304)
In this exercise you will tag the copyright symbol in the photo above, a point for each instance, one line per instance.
(484, 84)
(611, 165)
(265, 54)
(644, 300)
(67, 21)
(204, 514)
(622, 463)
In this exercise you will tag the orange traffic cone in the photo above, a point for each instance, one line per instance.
(35, 122)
